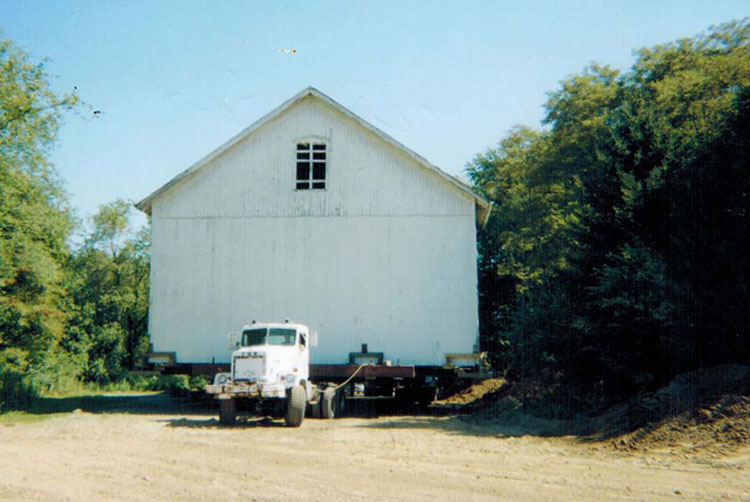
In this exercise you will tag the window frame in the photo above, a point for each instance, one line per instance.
(311, 161)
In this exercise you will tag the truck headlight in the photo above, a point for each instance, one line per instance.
(222, 378)
(289, 379)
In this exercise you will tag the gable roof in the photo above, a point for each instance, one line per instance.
(483, 206)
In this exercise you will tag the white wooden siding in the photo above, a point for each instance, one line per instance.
(385, 255)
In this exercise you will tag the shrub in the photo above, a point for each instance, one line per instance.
(17, 389)
(197, 383)
(174, 385)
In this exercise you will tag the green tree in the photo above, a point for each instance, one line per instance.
(528, 240)
(35, 219)
(622, 225)
(662, 198)
(108, 285)
(111, 225)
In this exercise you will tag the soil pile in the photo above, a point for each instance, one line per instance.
(721, 428)
(475, 392)
(705, 411)
(473, 398)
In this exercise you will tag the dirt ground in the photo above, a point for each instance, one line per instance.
(147, 455)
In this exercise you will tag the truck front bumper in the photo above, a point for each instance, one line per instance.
(246, 390)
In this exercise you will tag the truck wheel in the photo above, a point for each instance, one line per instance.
(339, 403)
(313, 409)
(427, 395)
(327, 405)
(296, 398)
(227, 411)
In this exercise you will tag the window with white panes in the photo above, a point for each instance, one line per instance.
(311, 166)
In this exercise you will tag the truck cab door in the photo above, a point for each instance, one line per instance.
(303, 356)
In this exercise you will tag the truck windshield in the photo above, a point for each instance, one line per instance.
(281, 336)
(276, 336)
(254, 337)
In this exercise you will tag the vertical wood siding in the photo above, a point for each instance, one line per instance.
(386, 255)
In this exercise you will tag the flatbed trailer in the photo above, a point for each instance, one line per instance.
(379, 380)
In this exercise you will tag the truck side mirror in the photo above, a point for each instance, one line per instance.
(313, 338)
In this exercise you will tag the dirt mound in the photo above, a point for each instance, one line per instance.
(701, 412)
(686, 395)
(476, 397)
(475, 392)
(704, 411)
(720, 428)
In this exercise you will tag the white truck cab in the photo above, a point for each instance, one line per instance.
(273, 356)
(270, 374)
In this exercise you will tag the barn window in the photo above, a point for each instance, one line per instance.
(311, 166)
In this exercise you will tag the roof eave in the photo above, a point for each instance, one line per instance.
(145, 204)
(480, 201)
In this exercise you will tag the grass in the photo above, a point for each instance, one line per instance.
(137, 394)
(105, 401)
(25, 417)
(89, 400)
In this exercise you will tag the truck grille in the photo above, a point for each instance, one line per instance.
(250, 368)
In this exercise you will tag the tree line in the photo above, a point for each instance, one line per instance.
(68, 313)
(616, 255)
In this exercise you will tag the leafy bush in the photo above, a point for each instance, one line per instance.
(141, 382)
(197, 383)
(17, 389)
(174, 385)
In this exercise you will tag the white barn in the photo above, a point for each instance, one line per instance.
(314, 215)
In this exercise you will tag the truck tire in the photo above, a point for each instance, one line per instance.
(427, 395)
(296, 398)
(313, 409)
(339, 403)
(227, 411)
(327, 404)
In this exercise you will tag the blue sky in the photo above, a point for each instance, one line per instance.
(175, 80)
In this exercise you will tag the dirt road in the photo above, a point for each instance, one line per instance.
(149, 456)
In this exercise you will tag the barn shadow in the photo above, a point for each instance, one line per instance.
(468, 426)
(356, 408)
(457, 425)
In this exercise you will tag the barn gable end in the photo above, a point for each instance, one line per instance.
(384, 255)
(354, 188)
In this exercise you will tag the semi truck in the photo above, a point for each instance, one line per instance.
(270, 376)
